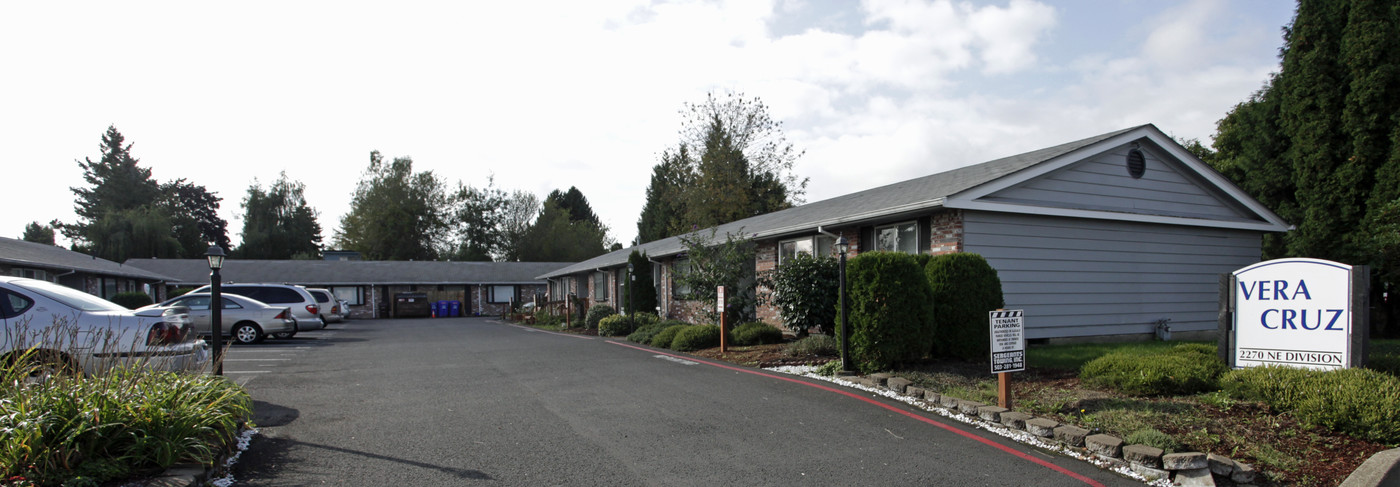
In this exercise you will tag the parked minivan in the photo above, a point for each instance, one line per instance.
(304, 306)
(330, 307)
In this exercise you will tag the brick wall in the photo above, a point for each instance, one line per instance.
(946, 232)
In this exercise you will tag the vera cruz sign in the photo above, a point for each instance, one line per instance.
(1296, 312)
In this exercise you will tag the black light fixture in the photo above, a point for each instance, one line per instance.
(846, 368)
(216, 255)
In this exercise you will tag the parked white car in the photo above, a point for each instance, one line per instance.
(304, 306)
(244, 319)
(69, 330)
(330, 307)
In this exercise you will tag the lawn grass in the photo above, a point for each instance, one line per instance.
(1074, 356)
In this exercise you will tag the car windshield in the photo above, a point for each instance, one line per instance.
(69, 296)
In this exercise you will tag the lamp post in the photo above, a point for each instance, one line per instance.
(631, 293)
(216, 304)
(842, 247)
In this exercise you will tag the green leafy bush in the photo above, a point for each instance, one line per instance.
(615, 325)
(1360, 402)
(814, 346)
(1184, 369)
(132, 300)
(148, 422)
(644, 334)
(805, 291)
(756, 333)
(1153, 438)
(667, 335)
(644, 319)
(891, 310)
(693, 338)
(596, 313)
(965, 288)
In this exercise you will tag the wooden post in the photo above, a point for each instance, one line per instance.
(723, 343)
(1004, 390)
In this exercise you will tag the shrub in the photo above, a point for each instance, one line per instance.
(1153, 438)
(805, 290)
(965, 288)
(645, 300)
(596, 313)
(644, 334)
(133, 299)
(814, 346)
(693, 338)
(891, 310)
(1183, 369)
(667, 335)
(1360, 402)
(615, 325)
(644, 319)
(756, 333)
(148, 421)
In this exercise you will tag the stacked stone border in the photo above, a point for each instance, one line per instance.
(1141, 462)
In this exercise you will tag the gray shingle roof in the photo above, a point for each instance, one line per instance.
(351, 272)
(44, 256)
(892, 199)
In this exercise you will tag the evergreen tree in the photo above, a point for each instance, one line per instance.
(195, 217)
(662, 214)
(277, 222)
(396, 214)
(556, 237)
(642, 284)
(576, 204)
(38, 233)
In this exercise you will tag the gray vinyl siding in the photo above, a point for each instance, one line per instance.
(1102, 182)
(1079, 277)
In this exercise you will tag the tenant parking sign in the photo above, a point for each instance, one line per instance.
(1008, 340)
(1294, 312)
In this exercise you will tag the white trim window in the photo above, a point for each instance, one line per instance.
(351, 294)
(899, 237)
(679, 290)
(600, 286)
(502, 294)
(815, 246)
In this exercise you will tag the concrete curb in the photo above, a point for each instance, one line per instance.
(1381, 470)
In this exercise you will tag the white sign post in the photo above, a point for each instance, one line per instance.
(719, 307)
(1008, 331)
(1293, 312)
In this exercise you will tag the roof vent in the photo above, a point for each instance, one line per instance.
(1137, 163)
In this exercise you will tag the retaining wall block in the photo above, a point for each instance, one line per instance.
(1184, 461)
(949, 402)
(933, 397)
(897, 384)
(1196, 477)
(1013, 419)
(914, 392)
(1151, 473)
(969, 407)
(1106, 445)
(1044, 428)
(1071, 435)
(1220, 464)
(879, 379)
(991, 413)
(1244, 473)
(1147, 456)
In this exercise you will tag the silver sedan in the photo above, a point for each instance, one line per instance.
(246, 320)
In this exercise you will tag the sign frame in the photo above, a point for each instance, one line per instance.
(1007, 328)
(1295, 312)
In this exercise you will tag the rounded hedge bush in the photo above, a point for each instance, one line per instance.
(693, 338)
(891, 310)
(644, 334)
(756, 333)
(965, 288)
(132, 299)
(814, 346)
(615, 325)
(667, 335)
(596, 313)
(1183, 369)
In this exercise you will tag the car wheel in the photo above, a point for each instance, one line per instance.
(247, 333)
(285, 334)
(322, 320)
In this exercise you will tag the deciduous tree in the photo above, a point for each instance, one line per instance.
(396, 214)
(278, 223)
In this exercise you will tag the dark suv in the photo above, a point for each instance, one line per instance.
(304, 307)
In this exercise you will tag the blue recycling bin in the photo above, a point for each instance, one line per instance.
(440, 308)
(456, 308)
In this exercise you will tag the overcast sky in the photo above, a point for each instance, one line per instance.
(547, 95)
